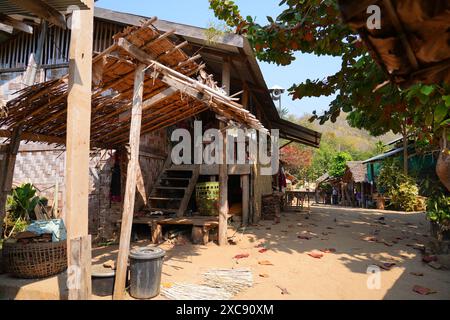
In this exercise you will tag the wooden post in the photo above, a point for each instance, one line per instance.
(363, 196)
(223, 192)
(77, 146)
(7, 172)
(130, 188)
(245, 180)
(80, 252)
(223, 168)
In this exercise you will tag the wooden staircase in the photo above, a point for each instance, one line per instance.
(173, 189)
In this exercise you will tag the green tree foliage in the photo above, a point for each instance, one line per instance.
(338, 164)
(360, 86)
(337, 137)
(314, 26)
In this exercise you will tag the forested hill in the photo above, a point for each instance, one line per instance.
(309, 163)
(359, 143)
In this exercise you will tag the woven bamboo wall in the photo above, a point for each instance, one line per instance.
(43, 166)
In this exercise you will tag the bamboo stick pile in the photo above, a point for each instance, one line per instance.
(183, 291)
(232, 280)
(218, 284)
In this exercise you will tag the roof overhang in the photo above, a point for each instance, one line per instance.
(294, 132)
(413, 43)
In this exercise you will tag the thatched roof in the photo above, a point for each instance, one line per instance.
(413, 44)
(171, 94)
(356, 171)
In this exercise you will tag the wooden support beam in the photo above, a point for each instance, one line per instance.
(16, 24)
(35, 59)
(223, 167)
(26, 136)
(130, 188)
(45, 11)
(77, 146)
(80, 252)
(7, 173)
(223, 193)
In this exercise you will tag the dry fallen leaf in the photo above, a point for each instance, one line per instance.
(283, 290)
(370, 239)
(304, 237)
(263, 275)
(386, 265)
(417, 274)
(265, 263)
(262, 250)
(422, 290)
(315, 254)
(241, 256)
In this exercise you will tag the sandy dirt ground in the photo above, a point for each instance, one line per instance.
(338, 275)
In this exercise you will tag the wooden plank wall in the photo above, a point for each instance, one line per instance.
(15, 52)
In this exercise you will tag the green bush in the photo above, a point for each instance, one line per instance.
(405, 196)
(401, 188)
(438, 211)
(20, 206)
(339, 164)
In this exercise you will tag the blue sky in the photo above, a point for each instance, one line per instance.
(197, 12)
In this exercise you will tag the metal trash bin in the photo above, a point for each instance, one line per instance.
(145, 272)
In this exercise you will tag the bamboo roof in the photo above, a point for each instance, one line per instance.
(175, 88)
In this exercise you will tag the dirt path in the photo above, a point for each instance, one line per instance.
(339, 275)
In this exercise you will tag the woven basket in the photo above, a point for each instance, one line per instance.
(35, 260)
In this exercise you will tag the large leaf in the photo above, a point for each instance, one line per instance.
(427, 90)
(440, 113)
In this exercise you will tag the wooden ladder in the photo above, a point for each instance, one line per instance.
(173, 189)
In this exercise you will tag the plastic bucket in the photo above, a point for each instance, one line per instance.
(145, 272)
(102, 281)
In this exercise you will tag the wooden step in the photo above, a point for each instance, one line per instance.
(165, 210)
(175, 179)
(183, 167)
(170, 188)
(165, 199)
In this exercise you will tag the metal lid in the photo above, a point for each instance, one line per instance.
(147, 253)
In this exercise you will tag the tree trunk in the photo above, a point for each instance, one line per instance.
(443, 163)
(405, 152)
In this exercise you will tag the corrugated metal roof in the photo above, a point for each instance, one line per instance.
(384, 155)
(9, 7)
